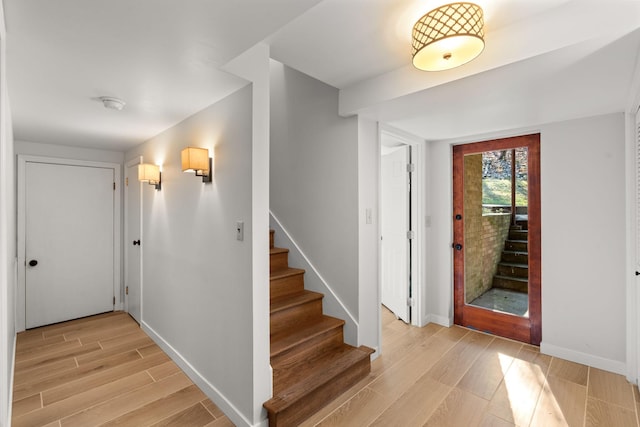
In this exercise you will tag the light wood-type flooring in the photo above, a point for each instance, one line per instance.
(440, 377)
(103, 370)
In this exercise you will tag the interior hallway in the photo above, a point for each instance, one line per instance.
(103, 370)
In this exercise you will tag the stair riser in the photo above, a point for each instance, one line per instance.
(286, 286)
(513, 285)
(516, 246)
(317, 399)
(507, 270)
(300, 314)
(518, 258)
(523, 224)
(318, 344)
(518, 235)
(278, 261)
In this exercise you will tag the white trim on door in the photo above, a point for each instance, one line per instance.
(135, 161)
(419, 316)
(117, 251)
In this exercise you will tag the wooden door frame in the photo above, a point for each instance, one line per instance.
(21, 227)
(507, 325)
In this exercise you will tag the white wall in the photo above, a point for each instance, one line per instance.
(583, 238)
(7, 241)
(197, 289)
(368, 234)
(68, 152)
(314, 177)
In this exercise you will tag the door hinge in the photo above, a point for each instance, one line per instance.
(126, 181)
(114, 300)
(126, 290)
(114, 186)
(409, 302)
(410, 234)
(411, 167)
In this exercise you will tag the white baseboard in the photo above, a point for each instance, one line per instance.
(212, 393)
(438, 320)
(614, 366)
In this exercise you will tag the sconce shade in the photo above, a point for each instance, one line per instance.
(150, 173)
(448, 36)
(197, 160)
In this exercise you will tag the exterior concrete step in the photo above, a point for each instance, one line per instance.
(516, 245)
(510, 269)
(512, 283)
(515, 257)
(518, 235)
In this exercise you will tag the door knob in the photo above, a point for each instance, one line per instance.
(136, 242)
(637, 273)
(457, 247)
(33, 263)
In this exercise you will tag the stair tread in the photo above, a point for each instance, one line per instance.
(275, 250)
(513, 264)
(318, 371)
(514, 278)
(516, 241)
(285, 272)
(515, 252)
(288, 301)
(287, 339)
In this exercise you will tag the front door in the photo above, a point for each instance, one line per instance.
(496, 245)
(69, 243)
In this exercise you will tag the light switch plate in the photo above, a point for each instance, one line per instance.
(240, 230)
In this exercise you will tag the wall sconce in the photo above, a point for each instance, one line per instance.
(151, 174)
(197, 160)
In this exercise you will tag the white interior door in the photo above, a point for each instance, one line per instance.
(69, 242)
(395, 225)
(133, 242)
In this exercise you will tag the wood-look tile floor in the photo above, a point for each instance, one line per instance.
(103, 370)
(440, 377)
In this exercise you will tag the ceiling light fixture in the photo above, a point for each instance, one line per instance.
(112, 103)
(448, 36)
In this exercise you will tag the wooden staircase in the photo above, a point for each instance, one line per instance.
(513, 268)
(312, 364)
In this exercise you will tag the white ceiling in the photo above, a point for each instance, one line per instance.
(545, 60)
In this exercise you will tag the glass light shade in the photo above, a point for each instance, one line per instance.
(149, 173)
(195, 159)
(448, 37)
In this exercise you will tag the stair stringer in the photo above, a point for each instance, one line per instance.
(314, 281)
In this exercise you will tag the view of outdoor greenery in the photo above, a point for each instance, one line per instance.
(496, 177)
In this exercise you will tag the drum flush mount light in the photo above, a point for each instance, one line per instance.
(448, 36)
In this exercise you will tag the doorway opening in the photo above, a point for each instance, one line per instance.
(497, 237)
(395, 219)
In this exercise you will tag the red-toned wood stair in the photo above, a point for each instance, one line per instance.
(312, 364)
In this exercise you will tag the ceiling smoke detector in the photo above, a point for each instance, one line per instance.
(112, 103)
